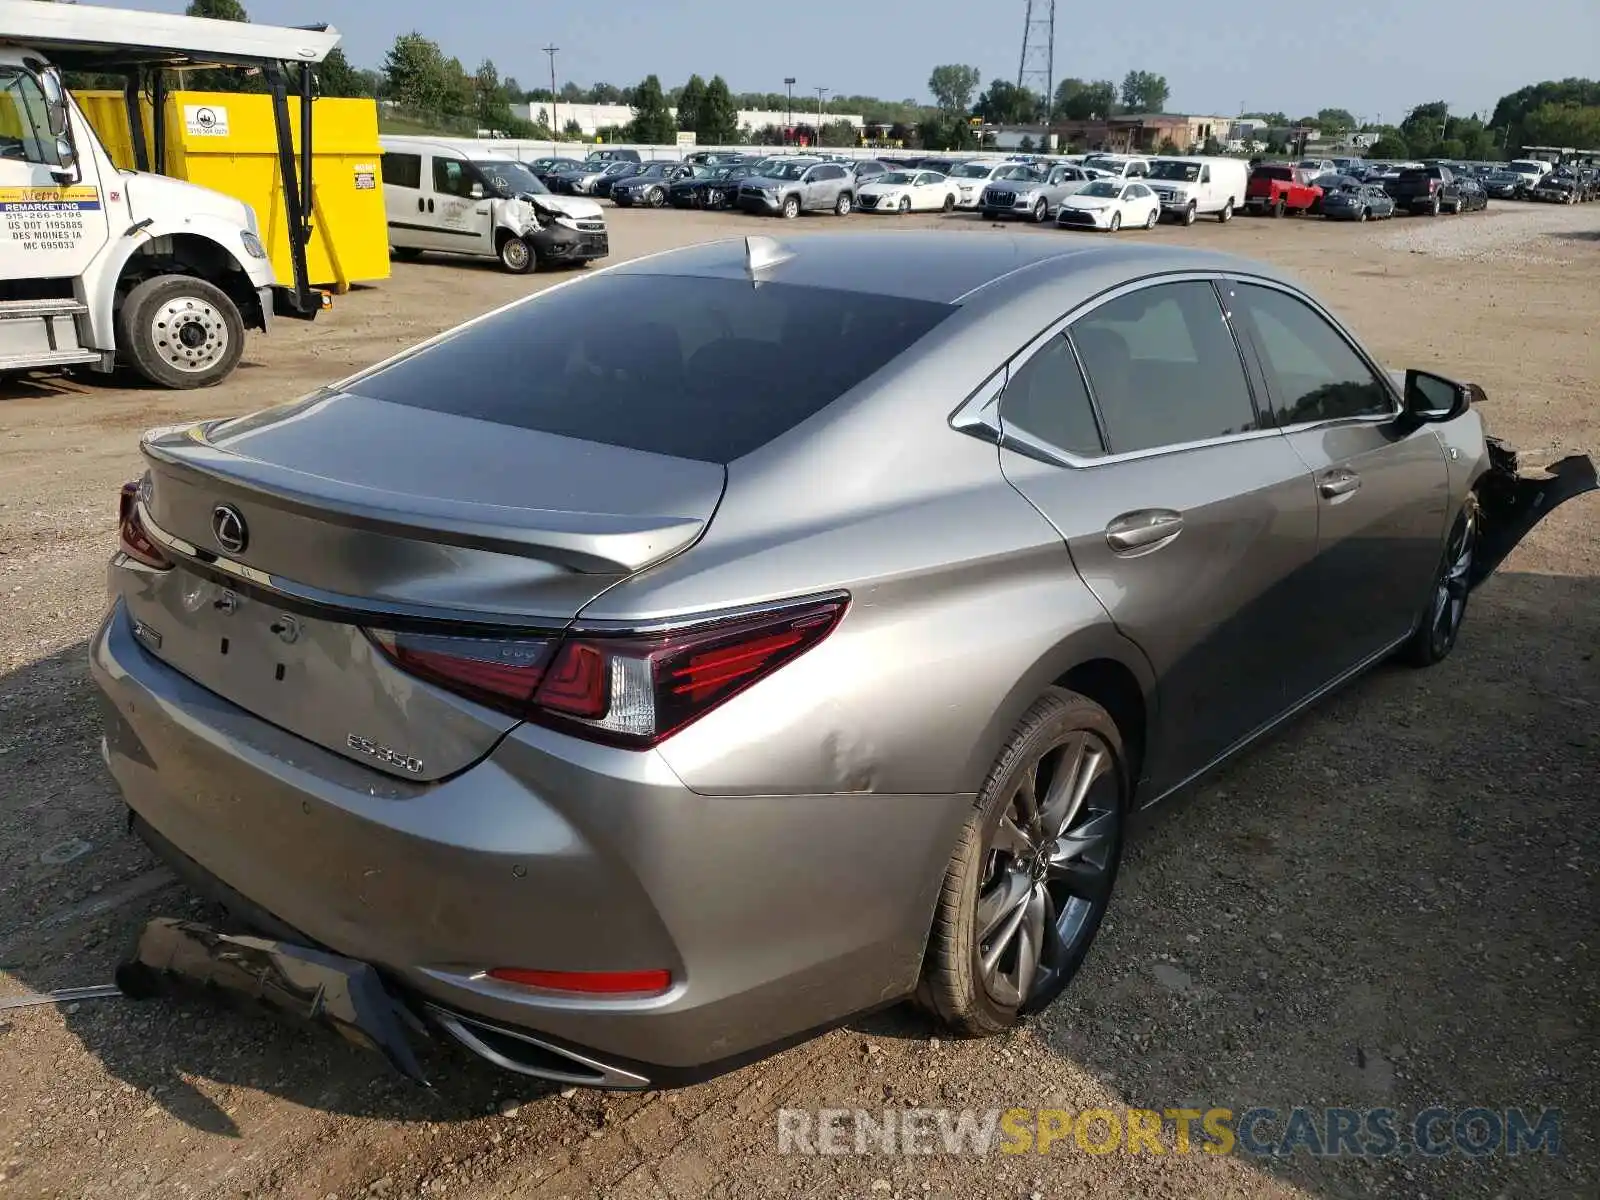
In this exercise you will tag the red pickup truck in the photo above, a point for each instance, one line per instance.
(1278, 188)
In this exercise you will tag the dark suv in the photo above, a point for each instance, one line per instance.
(1426, 190)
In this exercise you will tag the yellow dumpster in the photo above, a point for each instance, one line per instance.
(227, 141)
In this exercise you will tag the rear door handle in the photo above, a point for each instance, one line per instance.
(1146, 529)
(422, 205)
(1338, 483)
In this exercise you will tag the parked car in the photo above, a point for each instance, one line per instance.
(1428, 190)
(612, 154)
(616, 174)
(583, 180)
(1119, 166)
(1529, 170)
(546, 169)
(575, 706)
(1356, 201)
(440, 199)
(1023, 192)
(714, 158)
(1278, 189)
(971, 178)
(1194, 187)
(715, 189)
(799, 185)
(1504, 185)
(1110, 204)
(1556, 188)
(865, 169)
(1474, 195)
(1318, 166)
(907, 191)
(648, 188)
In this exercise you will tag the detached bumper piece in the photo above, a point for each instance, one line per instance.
(558, 243)
(1513, 503)
(337, 993)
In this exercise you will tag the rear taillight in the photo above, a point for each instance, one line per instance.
(132, 538)
(627, 689)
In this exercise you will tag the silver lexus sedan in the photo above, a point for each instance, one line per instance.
(692, 655)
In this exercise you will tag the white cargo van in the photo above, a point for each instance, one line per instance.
(470, 199)
(1195, 187)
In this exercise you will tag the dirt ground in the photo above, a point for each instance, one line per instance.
(1392, 903)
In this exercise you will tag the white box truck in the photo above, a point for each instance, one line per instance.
(100, 265)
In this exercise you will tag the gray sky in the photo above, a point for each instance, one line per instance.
(1369, 56)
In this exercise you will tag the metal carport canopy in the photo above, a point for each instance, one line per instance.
(87, 37)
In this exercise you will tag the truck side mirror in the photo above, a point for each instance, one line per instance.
(476, 191)
(55, 101)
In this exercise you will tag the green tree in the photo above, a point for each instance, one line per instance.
(1425, 126)
(1169, 147)
(571, 131)
(952, 86)
(1512, 112)
(336, 77)
(652, 123)
(1076, 100)
(416, 73)
(231, 79)
(1576, 125)
(690, 100)
(1390, 145)
(1273, 119)
(1339, 120)
(1026, 144)
(1007, 104)
(1145, 91)
(718, 120)
(838, 134)
(605, 93)
(217, 10)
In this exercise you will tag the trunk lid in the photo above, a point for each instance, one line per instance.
(355, 513)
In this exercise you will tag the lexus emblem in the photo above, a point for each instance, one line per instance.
(228, 527)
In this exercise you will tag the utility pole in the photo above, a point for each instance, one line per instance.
(555, 117)
(821, 92)
(788, 116)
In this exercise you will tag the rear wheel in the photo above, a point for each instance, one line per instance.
(1279, 207)
(517, 256)
(1447, 603)
(1433, 208)
(1031, 875)
(180, 332)
(1226, 214)
(1155, 215)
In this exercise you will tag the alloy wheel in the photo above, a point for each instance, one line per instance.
(1455, 580)
(1049, 869)
(189, 333)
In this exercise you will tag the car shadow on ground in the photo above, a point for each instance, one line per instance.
(1388, 904)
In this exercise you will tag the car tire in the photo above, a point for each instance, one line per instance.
(655, 197)
(1433, 209)
(843, 205)
(1440, 624)
(1279, 208)
(791, 207)
(949, 205)
(1226, 214)
(153, 325)
(905, 205)
(1041, 210)
(517, 256)
(1365, 213)
(1115, 223)
(1155, 215)
(1190, 213)
(404, 253)
(1029, 880)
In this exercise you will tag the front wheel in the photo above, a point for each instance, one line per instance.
(517, 256)
(1364, 214)
(656, 198)
(1155, 215)
(949, 205)
(1447, 602)
(1031, 875)
(1041, 210)
(842, 206)
(180, 332)
(791, 207)
(1189, 214)
(905, 205)
(1116, 222)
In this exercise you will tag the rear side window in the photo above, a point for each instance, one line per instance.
(1047, 400)
(1314, 373)
(403, 170)
(707, 369)
(1164, 368)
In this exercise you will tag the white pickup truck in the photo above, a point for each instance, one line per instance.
(99, 264)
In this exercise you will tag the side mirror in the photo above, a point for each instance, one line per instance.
(1432, 399)
(55, 101)
(476, 191)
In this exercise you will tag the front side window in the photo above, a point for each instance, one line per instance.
(1314, 373)
(25, 119)
(451, 177)
(1046, 399)
(1164, 369)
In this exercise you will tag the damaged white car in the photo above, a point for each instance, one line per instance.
(449, 199)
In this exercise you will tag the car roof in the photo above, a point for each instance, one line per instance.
(941, 267)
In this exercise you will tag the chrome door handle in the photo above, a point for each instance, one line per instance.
(1147, 529)
(1341, 484)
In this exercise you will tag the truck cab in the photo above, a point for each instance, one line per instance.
(100, 265)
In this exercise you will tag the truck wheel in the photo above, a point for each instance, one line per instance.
(517, 256)
(1189, 214)
(1433, 209)
(1279, 207)
(180, 332)
(1226, 214)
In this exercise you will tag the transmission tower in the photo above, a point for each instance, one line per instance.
(1037, 69)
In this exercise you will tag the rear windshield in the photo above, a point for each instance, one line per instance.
(1272, 173)
(708, 369)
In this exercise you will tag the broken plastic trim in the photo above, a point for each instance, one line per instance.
(325, 989)
(1512, 503)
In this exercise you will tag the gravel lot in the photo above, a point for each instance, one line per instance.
(1392, 903)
